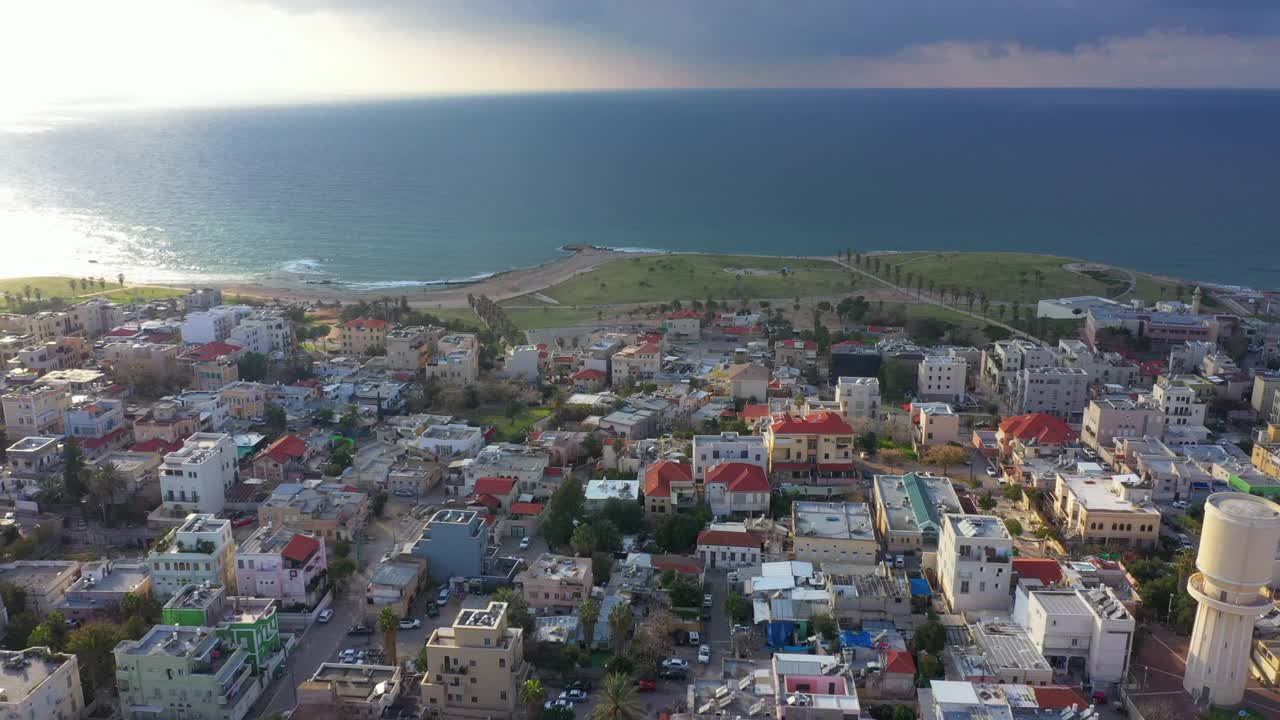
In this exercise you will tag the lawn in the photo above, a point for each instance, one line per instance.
(663, 278)
(51, 287)
(463, 315)
(507, 428)
(1012, 276)
(551, 316)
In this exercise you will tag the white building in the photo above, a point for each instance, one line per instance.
(199, 551)
(197, 477)
(1058, 391)
(859, 400)
(974, 563)
(522, 363)
(264, 333)
(941, 378)
(1082, 629)
(37, 683)
(639, 362)
(214, 324)
(1178, 403)
(451, 440)
(1006, 359)
(600, 492)
(728, 545)
(712, 450)
(1073, 308)
(829, 532)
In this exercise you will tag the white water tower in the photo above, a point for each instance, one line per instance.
(1238, 543)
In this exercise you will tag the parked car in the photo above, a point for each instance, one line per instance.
(673, 673)
(325, 615)
(410, 624)
(704, 654)
(525, 542)
(360, 630)
(675, 664)
(694, 638)
(404, 493)
(243, 522)
(707, 600)
(433, 610)
(583, 685)
(443, 597)
(574, 695)
(72, 623)
(643, 685)
(899, 561)
(992, 472)
(550, 704)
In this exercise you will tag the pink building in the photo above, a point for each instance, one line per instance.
(288, 565)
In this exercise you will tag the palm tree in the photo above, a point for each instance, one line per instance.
(120, 279)
(26, 291)
(8, 298)
(620, 622)
(103, 485)
(532, 695)
(619, 701)
(72, 283)
(388, 624)
(38, 292)
(588, 614)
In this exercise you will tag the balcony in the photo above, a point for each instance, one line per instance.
(448, 669)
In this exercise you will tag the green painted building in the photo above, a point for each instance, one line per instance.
(246, 622)
(1256, 484)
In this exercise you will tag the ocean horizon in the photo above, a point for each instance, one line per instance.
(406, 193)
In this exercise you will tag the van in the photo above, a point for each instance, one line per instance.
(695, 638)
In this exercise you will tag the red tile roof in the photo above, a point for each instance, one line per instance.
(754, 412)
(300, 548)
(588, 374)
(819, 423)
(659, 476)
(728, 538)
(156, 445)
(488, 501)
(365, 322)
(111, 436)
(1059, 698)
(740, 477)
(678, 563)
(527, 508)
(899, 661)
(1046, 570)
(122, 332)
(1038, 428)
(211, 351)
(684, 315)
(648, 349)
(494, 486)
(286, 448)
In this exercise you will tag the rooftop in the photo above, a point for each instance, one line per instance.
(106, 576)
(457, 517)
(196, 597)
(34, 443)
(915, 503)
(22, 672)
(1006, 645)
(558, 567)
(603, 490)
(977, 526)
(486, 618)
(1096, 493)
(843, 521)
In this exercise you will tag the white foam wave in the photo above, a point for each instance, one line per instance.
(304, 266)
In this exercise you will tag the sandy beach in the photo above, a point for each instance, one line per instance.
(501, 286)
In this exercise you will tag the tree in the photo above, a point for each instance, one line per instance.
(517, 610)
(621, 620)
(678, 532)
(42, 636)
(92, 644)
(987, 503)
(929, 637)
(583, 540)
(825, 626)
(532, 696)
(738, 608)
(388, 624)
(588, 614)
(340, 569)
(946, 456)
(72, 469)
(1013, 526)
(903, 712)
(104, 483)
(868, 442)
(684, 593)
(558, 712)
(120, 279)
(566, 506)
(619, 700)
(277, 419)
(627, 516)
(601, 567)
(252, 366)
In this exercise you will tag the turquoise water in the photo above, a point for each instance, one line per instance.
(380, 194)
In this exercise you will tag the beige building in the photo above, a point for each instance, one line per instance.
(142, 357)
(1114, 510)
(830, 532)
(326, 510)
(941, 378)
(49, 325)
(455, 361)
(749, 382)
(909, 508)
(638, 362)
(349, 692)
(1106, 420)
(409, 348)
(975, 567)
(935, 423)
(359, 335)
(556, 581)
(245, 400)
(474, 669)
(44, 581)
(39, 683)
(35, 410)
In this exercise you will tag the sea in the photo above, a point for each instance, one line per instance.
(397, 194)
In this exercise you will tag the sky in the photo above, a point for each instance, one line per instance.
(63, 56)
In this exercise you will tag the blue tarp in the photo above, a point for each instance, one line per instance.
(920, 587)
(849, 638)
(780, 632)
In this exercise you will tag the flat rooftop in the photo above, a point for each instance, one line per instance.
(451, 432)
(22, 672)
(196, 597)
(457, 517)
(35, 573)
(486, 618)
(1006, 645)
(172, 640)
(35, 443)
(1094, 493)
(978, 526)
(558, 567)
(839, 521)
(105, 576)
(914, 502)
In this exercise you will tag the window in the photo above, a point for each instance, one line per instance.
(964, 587)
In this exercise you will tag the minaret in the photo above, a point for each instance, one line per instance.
(1238, 543)
(1196, 296)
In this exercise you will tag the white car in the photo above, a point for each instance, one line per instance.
(991, 472)
(525, 542)
(676, 664)
(695, 638)
(410, 624)
(704, 654)
(574, 695)
(325, 615)
(557, 704)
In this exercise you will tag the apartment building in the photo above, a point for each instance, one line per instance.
(358, 336)
(556, 582)
(285, 457)
(250, 623)
(831, 532)
(934, 423)
(33, 456)
(196, 478)
(213, 365)
(95, 316)
(474, 668)
(637, 362)
(1109, 510)
(169, 421)
(99, 425)
(908, 510)
(942, 378)
(45, 582)
(200, 551)
(156, 359)
(282, 563)
(40, 683)
(598, 493)
(523, 363)
(328, 511)
(1058, 391)
(974, 570)
(749, 382)
(338, 691)
(263, 332)
(214, 324)
(1107, 420)
(712, 450)
(448, 441)
(409, 348)
(35, 410)
(44, 326)
(1178, 400)
(64, 353)
(815, 447)
(1033, 435)
(795, 353)
(245, 400)
(456, 360)
(852, 358)
(683, 324)
(101, 587)
(736, 489)
(1084, 632)
(202, 299)
(859, 401)
(1108, 368)
(1006, 359)
(454, 544)
(668, 487)
(1262, 396)
(526, 465)
(177, 672)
